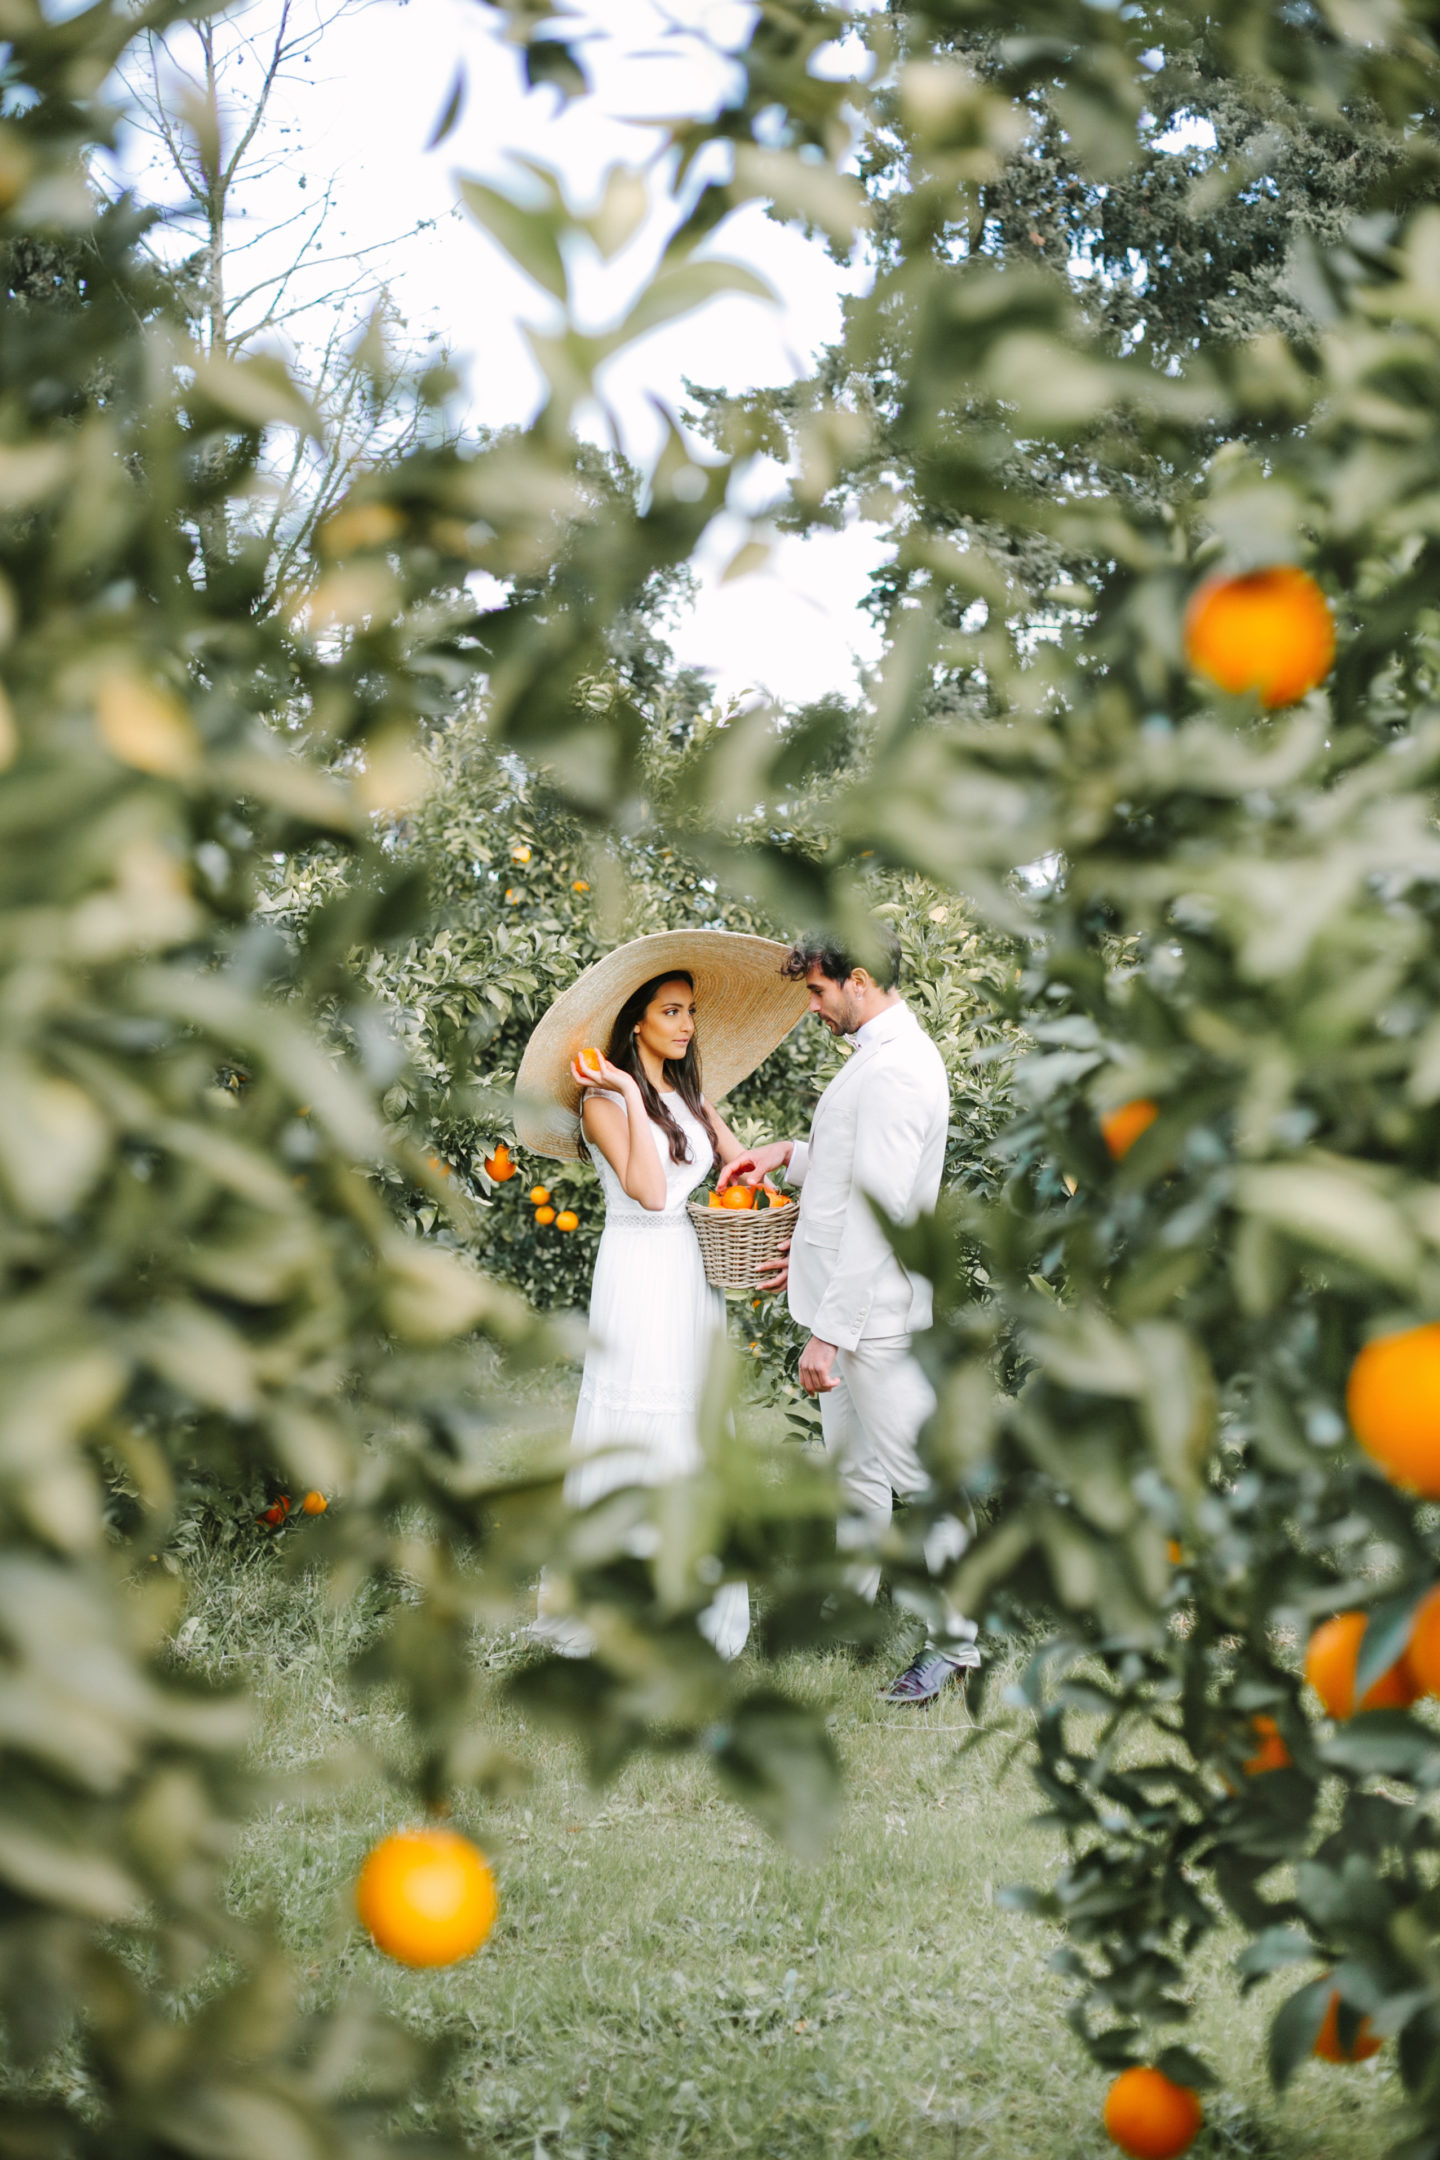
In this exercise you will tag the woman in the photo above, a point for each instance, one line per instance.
(653, 1137)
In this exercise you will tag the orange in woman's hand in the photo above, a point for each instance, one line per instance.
(1330, 1663)
(590, 1059)
(427, 1897)
(1269, 631)
(1121, 1128)
(1393, 1399)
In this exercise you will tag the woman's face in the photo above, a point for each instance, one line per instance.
(666, 1028)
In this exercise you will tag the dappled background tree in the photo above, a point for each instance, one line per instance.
(215, 110)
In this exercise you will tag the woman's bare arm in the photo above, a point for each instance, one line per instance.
(728, 1147)
(625, 1136)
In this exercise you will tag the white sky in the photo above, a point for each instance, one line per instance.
(381, 79)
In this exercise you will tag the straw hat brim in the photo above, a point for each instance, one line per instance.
(744, 1009)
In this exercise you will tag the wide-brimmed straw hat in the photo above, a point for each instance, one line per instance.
(744, 1005)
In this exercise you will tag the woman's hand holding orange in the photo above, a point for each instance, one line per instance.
(592, 1069)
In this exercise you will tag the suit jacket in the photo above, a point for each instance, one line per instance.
(879, 1129)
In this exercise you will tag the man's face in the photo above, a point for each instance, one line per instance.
(835, 1005)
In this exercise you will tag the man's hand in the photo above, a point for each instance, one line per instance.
(757, 1163)
(774, 1275)
(816, 1360)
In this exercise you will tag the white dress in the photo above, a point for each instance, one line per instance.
(655, 1324)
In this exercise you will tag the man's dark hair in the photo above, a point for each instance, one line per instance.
(882, 960)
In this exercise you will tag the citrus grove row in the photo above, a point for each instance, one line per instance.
(428, 1897)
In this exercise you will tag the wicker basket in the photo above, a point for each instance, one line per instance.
(735, 1243)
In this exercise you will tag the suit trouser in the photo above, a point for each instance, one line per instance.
(871, 1422)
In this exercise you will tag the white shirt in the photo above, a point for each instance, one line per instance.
(881, 1026)
(880, 1127)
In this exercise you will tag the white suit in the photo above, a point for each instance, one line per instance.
(879, 1130)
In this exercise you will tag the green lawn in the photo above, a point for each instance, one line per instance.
(663, 1980)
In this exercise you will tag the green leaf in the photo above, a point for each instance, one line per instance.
(1380, 1743)
(680, 289)
(777, 1758)
(1295, 2029)
(529, 237)
(1337, 1209)
(1387, 1633)
(800, 188)
(257, 392)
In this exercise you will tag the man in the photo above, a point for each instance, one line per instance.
(879, 1131)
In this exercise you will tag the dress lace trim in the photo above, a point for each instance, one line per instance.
(613, 1402)
(649, 1219)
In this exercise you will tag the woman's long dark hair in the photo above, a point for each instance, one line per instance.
(684, 1077)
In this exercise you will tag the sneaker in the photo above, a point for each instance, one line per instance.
(929, 1673)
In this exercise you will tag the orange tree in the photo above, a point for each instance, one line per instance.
(1223, 910)
(1226, 887)
(206, 1281)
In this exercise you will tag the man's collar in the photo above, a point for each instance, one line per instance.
(889, 1022)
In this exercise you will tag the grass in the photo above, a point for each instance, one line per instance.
(664, 1981)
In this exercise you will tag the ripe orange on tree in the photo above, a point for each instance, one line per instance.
(1121, 1128)
(1151, 2117)
(1422, 1652)
(1393, 1401)
(539, 1194)
(314, 1503)
(499, 1167)
(544, 1216)
(1271, 1752)
(1270, 631)
(427, 1897)
(1329, 2045)
(1330, 1662)
(567, 1219)
(275, 1514)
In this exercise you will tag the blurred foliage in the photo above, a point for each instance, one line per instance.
(208, 1287)
(248, 1082)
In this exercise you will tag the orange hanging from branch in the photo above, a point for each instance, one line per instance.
(1393, 1401)
(1151, 2117)
(1267, 631)
(427, 1897)
(1120, 1129)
